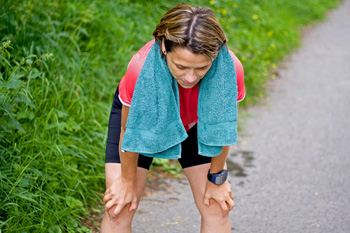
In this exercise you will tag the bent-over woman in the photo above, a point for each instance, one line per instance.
(178, 99)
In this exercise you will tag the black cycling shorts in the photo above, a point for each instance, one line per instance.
(189, 153)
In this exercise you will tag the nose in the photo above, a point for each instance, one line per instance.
(190, 77)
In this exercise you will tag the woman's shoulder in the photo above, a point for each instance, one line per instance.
(128, 82)
(239, 76)
(236, 61)
(137, 61)
(143, 52)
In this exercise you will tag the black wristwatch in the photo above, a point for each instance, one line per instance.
(218, 178)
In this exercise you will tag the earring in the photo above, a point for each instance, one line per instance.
(164, 52)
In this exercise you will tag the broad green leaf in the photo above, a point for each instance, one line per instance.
(25, 99)
(29, 61)
(34, 73)
(73, 202)
(12, 84)
(13, 123)
(55, 229)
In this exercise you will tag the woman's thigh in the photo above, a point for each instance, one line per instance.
(197, 176)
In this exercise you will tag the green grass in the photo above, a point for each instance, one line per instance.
(60, 63)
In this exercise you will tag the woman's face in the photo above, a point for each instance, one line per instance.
(187, 67)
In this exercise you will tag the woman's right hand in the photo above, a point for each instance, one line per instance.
(121, 193)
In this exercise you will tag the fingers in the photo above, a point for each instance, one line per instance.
(226, 204)
(107, 191)
(110, 203)
(206, 201)
(230, 204)
(110, 200)
(232, 196)
(133, 206)
(107, 198)
(114, 207)
(224, 208)
(117, 210)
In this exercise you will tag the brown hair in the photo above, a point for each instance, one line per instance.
(191, 27)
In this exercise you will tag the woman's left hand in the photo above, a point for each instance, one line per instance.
(221, 194)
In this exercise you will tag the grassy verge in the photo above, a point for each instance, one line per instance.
(60, 63)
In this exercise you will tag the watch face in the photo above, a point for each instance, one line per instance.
(221, 178)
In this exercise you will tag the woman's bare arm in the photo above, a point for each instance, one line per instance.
(122, 191)
(128, 159)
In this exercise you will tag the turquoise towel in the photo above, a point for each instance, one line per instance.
(154, 127)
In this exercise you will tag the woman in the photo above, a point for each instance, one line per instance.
(190, 38)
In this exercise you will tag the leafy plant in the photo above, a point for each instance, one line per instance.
(174, 169)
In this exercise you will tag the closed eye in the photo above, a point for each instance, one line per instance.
(183, 67)
(202, 68)
(180, 67)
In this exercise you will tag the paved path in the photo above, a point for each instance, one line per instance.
(290, 171)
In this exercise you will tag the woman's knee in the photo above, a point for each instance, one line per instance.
(213, 214)
(121, 221)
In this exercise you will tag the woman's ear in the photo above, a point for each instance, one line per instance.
(163, 47)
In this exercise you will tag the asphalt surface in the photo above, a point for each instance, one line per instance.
(290, 171)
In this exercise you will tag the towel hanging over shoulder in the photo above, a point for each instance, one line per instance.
(154, 127)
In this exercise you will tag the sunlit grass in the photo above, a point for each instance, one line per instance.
(60, 63)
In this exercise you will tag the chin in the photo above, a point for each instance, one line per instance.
(187, 86)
